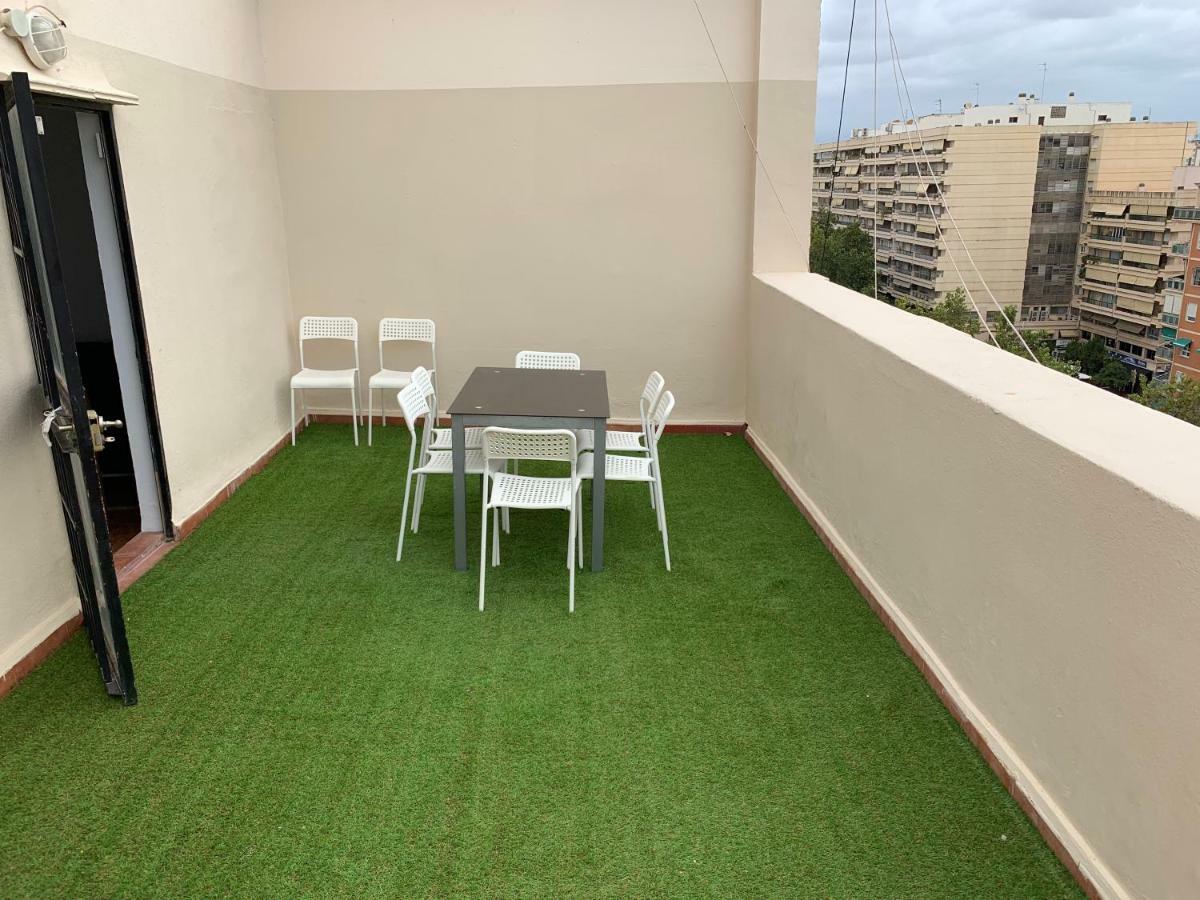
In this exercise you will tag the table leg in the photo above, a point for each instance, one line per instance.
(598, 429)
(458, 450)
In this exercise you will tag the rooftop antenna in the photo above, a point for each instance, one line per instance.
(1043, 93)
(977, 93)
(939, 103)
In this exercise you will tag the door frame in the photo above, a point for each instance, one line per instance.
(129, 269)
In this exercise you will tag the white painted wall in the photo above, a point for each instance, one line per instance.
(1041, 560)
(37, 587)
(216, 37)
(200, 178)
(388, 45)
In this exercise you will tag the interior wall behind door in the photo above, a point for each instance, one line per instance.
(116, 295)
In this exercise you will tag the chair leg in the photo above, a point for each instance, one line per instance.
(383, 407)
(418, 501)
(370, 413)
(483, 551)
(293, 392)
(571, 559)
(304, 402)
(662, 520)
(404, 515)
(579, 526)
(495, 536)
(354, 412)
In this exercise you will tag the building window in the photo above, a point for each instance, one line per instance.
(1012, 120)
(1058, 112)
(1185, 352)
(1191, 312)
(1196, 277)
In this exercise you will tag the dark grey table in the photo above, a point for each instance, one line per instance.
(529, 398)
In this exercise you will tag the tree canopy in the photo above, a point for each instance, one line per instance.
(1180, 399)
(1039, 341)
(842, 253)
(953, 311)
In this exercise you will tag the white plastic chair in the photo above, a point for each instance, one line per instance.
(509, 491)
(629, 441)
(393, 330)
(635, 468)
(413, 406)
(324, 328)
(442, 438)
(545, 359)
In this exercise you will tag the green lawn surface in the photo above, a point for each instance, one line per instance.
(316, 719)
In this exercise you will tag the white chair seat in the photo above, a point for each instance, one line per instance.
(614, 441)
(324, 378)
(390, 378)
(442, 463)
(617, 468)
(527, 492)
(443, 438)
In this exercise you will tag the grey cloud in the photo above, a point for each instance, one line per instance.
(1101, 49)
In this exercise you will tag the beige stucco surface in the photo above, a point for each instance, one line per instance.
(200, 178)
(1025, 586)
(611, 221)
(37, 590)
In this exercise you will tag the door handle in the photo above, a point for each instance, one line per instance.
(99, 425)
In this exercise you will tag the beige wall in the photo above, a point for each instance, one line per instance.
(990, 194)
(198, 160)
(539, 175)
(612, 221)
(1084, 680)
(38, 590)
(1129, 155)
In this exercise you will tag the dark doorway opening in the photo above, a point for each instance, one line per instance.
(89, 221)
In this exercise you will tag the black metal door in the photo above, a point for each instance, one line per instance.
(73, 438)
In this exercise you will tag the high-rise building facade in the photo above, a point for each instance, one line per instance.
(1132, 262)
(1181, 329)
(959, 201)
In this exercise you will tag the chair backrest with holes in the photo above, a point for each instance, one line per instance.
(520, 443)
(650, 394)
(419, 330)
(328, 328)
(420, 375)
(662, 412)
(413, 404)
(546, 359)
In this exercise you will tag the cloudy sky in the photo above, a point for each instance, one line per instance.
(1145, 52)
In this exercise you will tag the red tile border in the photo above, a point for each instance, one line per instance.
(137, 558)
(188, 525)
(948, 701)
(39, 654)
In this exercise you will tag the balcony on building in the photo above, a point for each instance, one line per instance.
(905, 646)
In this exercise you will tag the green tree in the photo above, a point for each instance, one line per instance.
(842, 253)
(1040, 342)
(1180, 399)
(953, 311)
(1113, 376)
(1091, 355)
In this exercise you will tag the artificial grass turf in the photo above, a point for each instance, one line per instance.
(316, 719)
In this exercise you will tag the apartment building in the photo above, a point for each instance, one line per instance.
(1181, 328)
(897, 186)
(1132, 256)
(1014, 179)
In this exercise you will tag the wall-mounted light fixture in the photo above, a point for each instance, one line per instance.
(40, 31)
